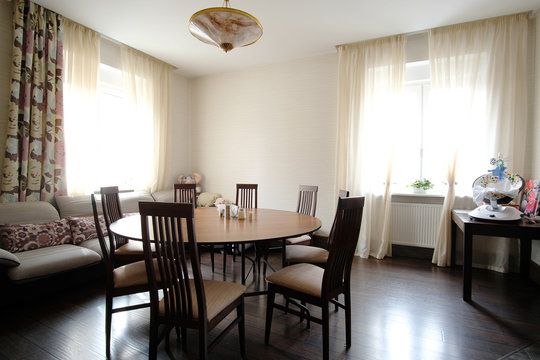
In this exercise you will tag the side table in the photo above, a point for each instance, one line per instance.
(520, 230)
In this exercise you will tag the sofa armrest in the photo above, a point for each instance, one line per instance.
(8, 259)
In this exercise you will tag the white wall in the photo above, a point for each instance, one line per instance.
(179, 146)
(273, 125)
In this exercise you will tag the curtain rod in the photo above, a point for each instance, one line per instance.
(531, 14)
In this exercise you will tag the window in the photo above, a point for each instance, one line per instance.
(111, 146)
(419, 159)
(422, 157)
(123, 131)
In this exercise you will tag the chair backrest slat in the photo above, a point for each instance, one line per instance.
(343, 239)
(110, 201)
(307, 200)
(185, 193)
(112, 211)
(107, 249)
(176, 271)
(246, 195)
(341, 194)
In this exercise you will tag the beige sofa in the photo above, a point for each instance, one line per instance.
(40, 240)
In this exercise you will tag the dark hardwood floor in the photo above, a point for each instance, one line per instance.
(402, 309)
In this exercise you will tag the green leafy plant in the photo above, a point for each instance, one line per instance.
(423, 184)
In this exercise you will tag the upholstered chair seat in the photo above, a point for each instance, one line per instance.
(130, 275)
(304, 239)
(305, 278)
(131, 248)
(219, 295)
(306, 253)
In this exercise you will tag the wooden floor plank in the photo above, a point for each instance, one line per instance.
(402, 309)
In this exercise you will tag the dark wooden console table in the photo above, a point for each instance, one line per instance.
(517, 230)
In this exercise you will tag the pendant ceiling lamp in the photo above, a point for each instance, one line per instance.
(225, 27)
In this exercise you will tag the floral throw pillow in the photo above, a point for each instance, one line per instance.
(84, 228)
(17, 238)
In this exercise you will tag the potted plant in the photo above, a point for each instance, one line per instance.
(421, 185)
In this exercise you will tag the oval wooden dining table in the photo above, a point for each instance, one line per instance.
(211, 228)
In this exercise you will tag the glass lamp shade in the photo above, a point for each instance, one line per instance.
(225, 27)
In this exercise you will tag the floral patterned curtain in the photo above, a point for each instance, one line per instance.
(33, 167)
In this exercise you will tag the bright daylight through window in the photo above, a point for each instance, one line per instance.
(116, 143)
(418, 159)
(422, 157)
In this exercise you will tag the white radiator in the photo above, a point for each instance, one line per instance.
(415, 224)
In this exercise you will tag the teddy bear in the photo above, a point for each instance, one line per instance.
(194, 178)
(204, 199)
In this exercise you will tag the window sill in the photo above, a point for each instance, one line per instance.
(428, 197)
(420, 194)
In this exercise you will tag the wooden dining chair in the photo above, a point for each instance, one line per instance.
(246, 197)
(187, 193)
(119, 280)
(187, 301)
(307, 253)
(314, 285)
(307, 205)
(343, 193)
(125, 251)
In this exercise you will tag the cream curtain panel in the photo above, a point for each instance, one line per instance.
(81, 57)
(147, 81)
(371, 77)
(479, 97)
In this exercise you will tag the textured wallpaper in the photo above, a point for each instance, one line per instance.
(273, 125)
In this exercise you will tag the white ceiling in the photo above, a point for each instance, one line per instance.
(293, 29)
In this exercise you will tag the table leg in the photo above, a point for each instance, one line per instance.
(283, 253)
(467, 265)
(243, 261)
(453, 232)
(525, 249)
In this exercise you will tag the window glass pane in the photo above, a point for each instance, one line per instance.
(126, 134)
(433, 159)
(406, 166)
(410, 161)
(114, 145)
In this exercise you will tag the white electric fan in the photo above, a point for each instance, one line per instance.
(497, 187)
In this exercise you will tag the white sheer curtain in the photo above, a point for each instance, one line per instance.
(479, 98)
(370, 83)
(116, 128)
(148, 83)
(81, 67)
